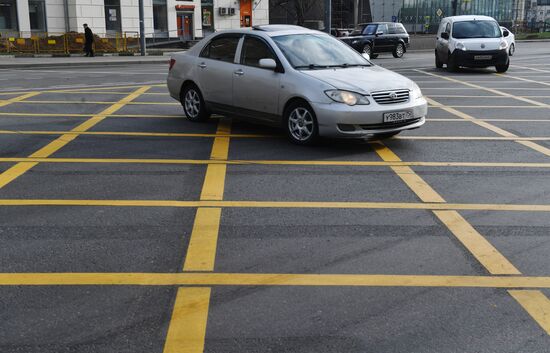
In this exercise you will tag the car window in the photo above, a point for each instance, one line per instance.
(476, 29)
(382, 28)
(400, 29)
(221, 48)
(255, 49)
(369, 30)
(391, 29)
(448, 28)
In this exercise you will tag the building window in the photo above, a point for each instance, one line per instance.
(160, 17)
(8, 15)
(112, 16)
(37, 15)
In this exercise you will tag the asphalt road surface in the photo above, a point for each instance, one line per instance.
(126, 228)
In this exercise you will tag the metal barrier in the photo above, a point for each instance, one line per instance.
(67, 43)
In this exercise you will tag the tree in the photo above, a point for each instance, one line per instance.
(297, 8)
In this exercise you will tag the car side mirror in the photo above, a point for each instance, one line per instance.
(379, 33)
(268, 64)
(366, 56)
(445, 35)
(505, 33)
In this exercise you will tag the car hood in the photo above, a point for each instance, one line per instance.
(362, 79)
(477, 43)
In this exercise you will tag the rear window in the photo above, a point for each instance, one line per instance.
(476, 29)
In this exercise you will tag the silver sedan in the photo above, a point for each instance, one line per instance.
(306, 81)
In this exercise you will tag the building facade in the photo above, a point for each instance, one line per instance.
(189, 19)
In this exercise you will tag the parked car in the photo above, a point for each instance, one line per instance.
(339, 32)
(305, 81)
(471, 41)
(380, 37)
(511, 40)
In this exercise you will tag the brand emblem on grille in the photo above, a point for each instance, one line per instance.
(482, 45)
(393, 95)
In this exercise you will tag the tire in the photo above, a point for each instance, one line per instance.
(451, 64)
(399, 50)
(193, 104)
(438, 63)
(301, 123)
(367, 49)
(386, 135)
(374, 56)
(503, 68)
(512, 49)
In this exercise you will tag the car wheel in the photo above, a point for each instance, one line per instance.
(386, 135)
(502, 68)
(452, 66)
(374, 56)
(193, 104)
(399, 50)
(438, 63)
(367, 49)
(301, 123)
(512, 49)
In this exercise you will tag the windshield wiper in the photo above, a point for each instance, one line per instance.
(311, 66)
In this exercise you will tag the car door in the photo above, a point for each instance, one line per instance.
(393, 38)
(216, 67)
(256, 89)
(442, 45)
(382, 40)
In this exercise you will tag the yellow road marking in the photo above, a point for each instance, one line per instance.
(278, 162)
(528, 68)
(280, 204)
(94, 102)
(489, 106)
(413, 180)
(529, 80)
(214, 180)
(492, 90)
(484, 252)
(536, 304)
(480, 97)
(202, 245)
(19, 169)
(18, 99)
(125, 133)
(501, 120)
(187, 329)
(268, 279)
(63, 115)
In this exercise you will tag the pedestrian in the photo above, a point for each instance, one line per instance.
(88, 46)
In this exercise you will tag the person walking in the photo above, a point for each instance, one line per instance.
(89, 36)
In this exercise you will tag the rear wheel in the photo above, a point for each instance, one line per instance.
(367, 49)
(438, 62)
(301, 123)
(399, 50)
(502, 68)
(512, 49)
(193, 104)
(373, 56)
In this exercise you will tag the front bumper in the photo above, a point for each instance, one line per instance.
(341, 120)
(467, 58)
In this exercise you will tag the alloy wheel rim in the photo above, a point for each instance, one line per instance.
(399, 50)
(192, 103)
(366, 49)
(301, 124)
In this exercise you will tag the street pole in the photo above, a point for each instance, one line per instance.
(141, 28)
(356, 14)
(328, 14)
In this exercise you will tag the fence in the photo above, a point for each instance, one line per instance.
(66, 43)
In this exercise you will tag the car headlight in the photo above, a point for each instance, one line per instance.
(503, 45)
(460, 46)
(416, 93)
(347, 97)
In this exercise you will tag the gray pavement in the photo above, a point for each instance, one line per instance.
(106, 246)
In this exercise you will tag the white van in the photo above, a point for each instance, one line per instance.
(471, 41)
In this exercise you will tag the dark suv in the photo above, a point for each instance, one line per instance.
(379, 37)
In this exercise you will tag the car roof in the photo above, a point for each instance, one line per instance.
(377, 23)
(469, 18)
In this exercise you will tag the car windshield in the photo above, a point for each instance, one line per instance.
(365, 29)
(317, 51)
(476, 29)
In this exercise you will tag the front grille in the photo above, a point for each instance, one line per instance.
(390, 125)
(391, 97)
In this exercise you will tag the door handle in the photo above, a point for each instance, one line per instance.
(239, 72)
(202, 65)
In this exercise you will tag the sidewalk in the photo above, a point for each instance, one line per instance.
(7, 62)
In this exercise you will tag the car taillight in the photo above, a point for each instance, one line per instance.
(172, 62)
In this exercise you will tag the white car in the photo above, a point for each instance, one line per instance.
(471, 41)
(511, 40)
(305, 81)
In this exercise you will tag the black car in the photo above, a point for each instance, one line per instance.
(379, 37)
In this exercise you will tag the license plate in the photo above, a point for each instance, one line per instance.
(397, 116)
(483, 57)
